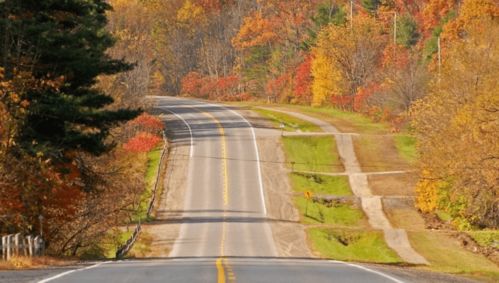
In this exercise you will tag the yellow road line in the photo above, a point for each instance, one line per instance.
(222, 262)
(221, 272)
(225, 167)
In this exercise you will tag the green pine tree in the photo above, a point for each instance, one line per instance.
(407, 33)
(371, 5)
(327, 13)
(63, 41)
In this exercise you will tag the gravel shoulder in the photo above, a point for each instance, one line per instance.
(163, 231)
(289, 235)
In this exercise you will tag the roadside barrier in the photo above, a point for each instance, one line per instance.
(124, 249)
(19, 245)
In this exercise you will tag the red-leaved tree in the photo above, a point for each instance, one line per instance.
(142, 142)
(303, 81)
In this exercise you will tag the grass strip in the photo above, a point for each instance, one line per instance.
(446, 255)
(362, 246)
(406, 146)
(153, 162)
(290, 123)
(321, 184)
(316, 154)
(346, 121)
(338, 214)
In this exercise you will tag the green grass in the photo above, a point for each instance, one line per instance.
(486, 238)
(320, 184)
(406, 146)
(364, 246)
(291, 124)
(346, 121)
(341, 215)
(107, 246)
(446, 255)
(153, 160)
(312, 154)
(444, 216)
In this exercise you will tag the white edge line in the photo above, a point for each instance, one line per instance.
(255, 145)
(369, 270)
(191, 150)
(174, 250)
(71, 271)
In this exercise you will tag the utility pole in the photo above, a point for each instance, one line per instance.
(439, 57)
(351, 14)
(395, 28)
(40, 219)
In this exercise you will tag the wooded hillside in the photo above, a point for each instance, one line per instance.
(429, 62)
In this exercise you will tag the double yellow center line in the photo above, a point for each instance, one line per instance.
(222, 263)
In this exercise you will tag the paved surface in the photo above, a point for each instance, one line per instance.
(224, 234)
(224, 210)
(242, 270)
(395, 238)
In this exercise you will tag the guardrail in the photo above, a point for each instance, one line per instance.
(19, 245)
(124, 249)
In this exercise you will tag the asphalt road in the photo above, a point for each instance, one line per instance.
(224, 236)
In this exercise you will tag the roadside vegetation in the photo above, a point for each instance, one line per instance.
(345, 121)
(153, 166)
(406, 146)
(340, 230)
(352, 245)
(337, 229)
(321, 184)
(422, 99)
(446, 254)
(309, 153)
(290, 123)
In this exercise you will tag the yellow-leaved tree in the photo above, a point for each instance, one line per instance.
(345, 59)
(457, 126)
(327, 80)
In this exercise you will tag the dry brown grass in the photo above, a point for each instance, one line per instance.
(378, 153)
(393, 184)
(22, 262)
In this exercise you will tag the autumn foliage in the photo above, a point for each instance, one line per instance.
(303, 81)
(216, 88)
(385, 67)
(142, 142)
(144, 133)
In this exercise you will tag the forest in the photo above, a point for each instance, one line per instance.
(74, 74)
(429, 66)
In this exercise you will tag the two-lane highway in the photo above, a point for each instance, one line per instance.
(224, 210)
(224, 235)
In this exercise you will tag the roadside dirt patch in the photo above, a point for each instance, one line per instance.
(378, 153)
(289, 235)
(393, 184)
(401, 213)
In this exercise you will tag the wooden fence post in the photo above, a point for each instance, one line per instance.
(17, 244)
(9, 246)
(4, 247)
(38, 246)
(29, 240)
